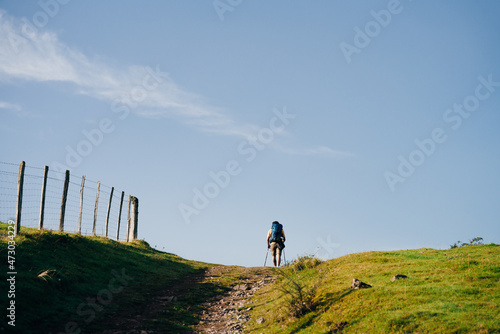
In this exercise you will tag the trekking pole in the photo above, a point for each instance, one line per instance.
(266, 257)
(284, 257)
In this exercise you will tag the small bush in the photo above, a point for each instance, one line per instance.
(299, 298)
(305, 262)
(474, 242)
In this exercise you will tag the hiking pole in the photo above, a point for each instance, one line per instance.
(284, 257)
(266, 257)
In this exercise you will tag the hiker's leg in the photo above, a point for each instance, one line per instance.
(279, 256)
(274, 251)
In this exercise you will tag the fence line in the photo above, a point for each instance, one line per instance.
(37, 199)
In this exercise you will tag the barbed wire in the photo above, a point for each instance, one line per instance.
(9, 163)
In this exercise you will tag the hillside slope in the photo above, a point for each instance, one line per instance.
(447, 291)
(67, 283)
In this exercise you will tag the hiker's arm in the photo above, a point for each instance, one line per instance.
(267, 240)
(284, 239)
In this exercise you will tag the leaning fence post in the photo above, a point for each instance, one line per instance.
(134, 217)
(42, 200)
(63, 201)
(20, 183)
(109, 209)
(128, 218)
(81, 206)
(95, 208)
(119, 217)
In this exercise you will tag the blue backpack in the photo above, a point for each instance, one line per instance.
(277, 233)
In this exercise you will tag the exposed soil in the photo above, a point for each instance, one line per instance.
(228, 313)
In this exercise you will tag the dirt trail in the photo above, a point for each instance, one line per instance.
(226, 313)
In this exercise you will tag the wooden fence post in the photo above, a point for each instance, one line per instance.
(128, 218)
(42, 200)
(20, 183)
(134, 218)
(81, 206)
(109, 209)
(63, 201)
(119, 217)
(95, 208)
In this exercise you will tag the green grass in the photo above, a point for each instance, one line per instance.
(447, 291)
(58, 272)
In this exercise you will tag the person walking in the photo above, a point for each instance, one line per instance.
(276, 242)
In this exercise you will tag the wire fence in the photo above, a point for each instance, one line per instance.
(89, 207)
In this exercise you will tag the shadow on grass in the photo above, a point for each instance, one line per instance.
(324, 303)
(70, 283)
(174, 309)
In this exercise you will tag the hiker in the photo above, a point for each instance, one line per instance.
(276, 242)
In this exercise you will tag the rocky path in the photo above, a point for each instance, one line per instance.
(228, 313)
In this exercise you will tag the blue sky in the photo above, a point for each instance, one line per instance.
(367, 125)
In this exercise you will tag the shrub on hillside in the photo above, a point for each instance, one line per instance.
(299, 298)
(305, 262)
(474, 242)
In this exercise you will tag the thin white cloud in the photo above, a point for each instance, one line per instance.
(40, 56)
(10, 106)
(15, 109)
(320, 150)
(148, 92)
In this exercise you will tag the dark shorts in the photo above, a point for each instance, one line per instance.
(275, 249)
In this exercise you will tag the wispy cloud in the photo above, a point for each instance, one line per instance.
(319, 150)
(10, 106)
(40, 56)
(15, 109)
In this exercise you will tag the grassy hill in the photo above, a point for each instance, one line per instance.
(67, 283)
(447, 291)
